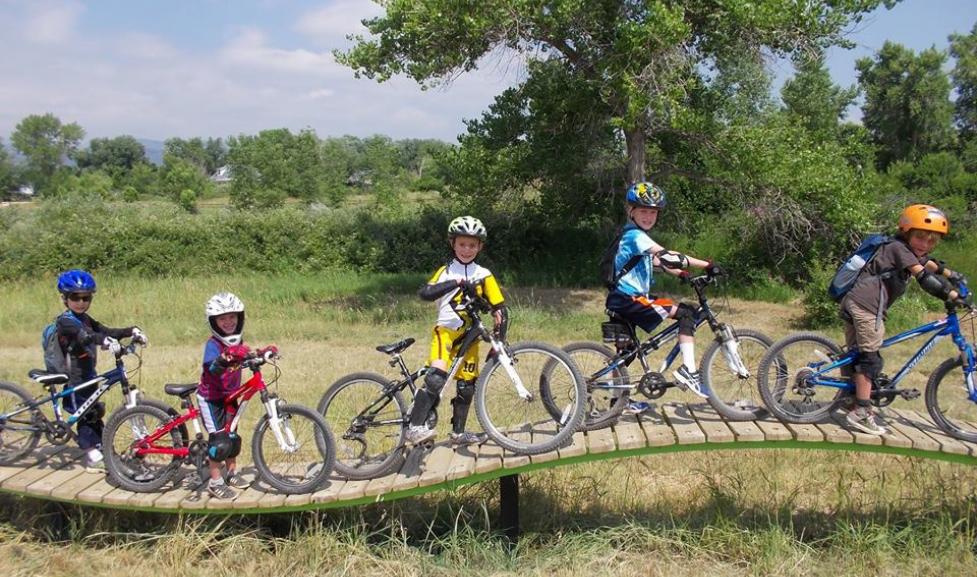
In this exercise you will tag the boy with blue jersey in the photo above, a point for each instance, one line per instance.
(631, 296)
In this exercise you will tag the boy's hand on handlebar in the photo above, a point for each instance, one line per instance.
(139, 337)
(236, 354)
(468, 288)
(269, 352)
(714, 269)
(110, 344)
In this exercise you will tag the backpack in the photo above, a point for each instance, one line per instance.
(846, 275)
(55, 359)
(607, 275)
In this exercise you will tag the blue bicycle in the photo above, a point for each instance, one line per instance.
(806, 376)
(22, 420)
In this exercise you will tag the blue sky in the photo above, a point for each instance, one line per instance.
(156, 69)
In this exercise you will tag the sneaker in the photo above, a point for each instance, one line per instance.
(220, 490)
(689, 381)
(237, 480)
(191, 481)
(97, 467)
(636, 407)
(863, 420)
(467, 438)
(416, 435)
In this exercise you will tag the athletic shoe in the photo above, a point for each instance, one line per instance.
(97, 467)
(689, 380)
(237, 480)
(220, 490)
(467, 438)
(863, 420)
(416, 435)
(636, 407)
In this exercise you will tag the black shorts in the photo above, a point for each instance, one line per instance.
(646, 312)
(215, 413)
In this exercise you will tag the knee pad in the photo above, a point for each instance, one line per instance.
(686, 315)
(434, 381)
(466, 392)
(94, 414)
(222, 445)
(869, 364)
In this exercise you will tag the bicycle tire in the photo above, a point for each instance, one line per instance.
(351, 438)
(603, 407)
(11, 397)
(286, 478)
(781, 364)
(735, 400)
(127, 470)
(533, 429)
(944, 408)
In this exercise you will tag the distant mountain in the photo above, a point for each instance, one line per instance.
(154, 150)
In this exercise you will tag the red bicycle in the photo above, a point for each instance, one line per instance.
(292, 447)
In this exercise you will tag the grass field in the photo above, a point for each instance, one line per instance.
(723, 513)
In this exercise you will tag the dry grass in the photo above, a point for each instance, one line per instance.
(726, 512)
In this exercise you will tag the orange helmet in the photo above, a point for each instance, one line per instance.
(923, 217)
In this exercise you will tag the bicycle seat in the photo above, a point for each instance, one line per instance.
(395, 348)
(181, 391)
(45, 378)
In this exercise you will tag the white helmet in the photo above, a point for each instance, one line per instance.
(467, 226)
(221, 304)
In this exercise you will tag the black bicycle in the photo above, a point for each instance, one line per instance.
(370, 416)
(728, 367)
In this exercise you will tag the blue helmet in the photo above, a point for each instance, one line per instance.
(75, 281)
(646, 194)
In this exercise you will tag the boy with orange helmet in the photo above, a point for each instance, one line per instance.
(880, 283)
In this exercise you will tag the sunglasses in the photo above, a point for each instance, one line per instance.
(82, 298)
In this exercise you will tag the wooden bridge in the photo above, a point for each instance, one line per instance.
(56, 473)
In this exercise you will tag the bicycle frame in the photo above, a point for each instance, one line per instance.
(947, 326)
(104, 382)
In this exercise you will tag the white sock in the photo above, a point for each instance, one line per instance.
(94, 456)
(688, 355)
(216, 482)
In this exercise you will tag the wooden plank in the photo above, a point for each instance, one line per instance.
(656, 430)
(380, 485)
(711, 423)
(541, 436)
(117, 496)
(463, 462)
(30, 460)
(329, 492)
(50, 466)
(745, 431)
(576, 447)
(70, 488)
(272, 499)
(774, 430)
(352, 490)
(600, 441)
(806, 433)
(298, 500)
(435, 466)
(96, 491)
(920, 440)
(833, 433)
(58, 478)
(511, 459)
(489, 457)
(629, 435)
(410, 472)
(680, 419)
(924, 423)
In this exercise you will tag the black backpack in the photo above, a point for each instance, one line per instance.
(607, 275)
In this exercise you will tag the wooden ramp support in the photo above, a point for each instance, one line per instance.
(56, 473)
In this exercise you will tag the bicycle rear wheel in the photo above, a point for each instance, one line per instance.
(120, 440)
(522, 423)
(947, 401)
(732, 395)
(304, 460)
(19, 434)
(604, 402)
(369, 425)
(786, 376)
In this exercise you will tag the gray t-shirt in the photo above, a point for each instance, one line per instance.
(872, 292)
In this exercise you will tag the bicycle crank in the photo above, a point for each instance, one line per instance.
(653, 385)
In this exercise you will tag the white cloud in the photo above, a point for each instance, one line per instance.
(250, 49)
(320, 93)
(52, 24)
(329, 25)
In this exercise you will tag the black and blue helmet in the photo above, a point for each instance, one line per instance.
(646, 194)
(75, 281)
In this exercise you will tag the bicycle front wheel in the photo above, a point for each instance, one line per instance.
(369, 424)
(735, 395)
(948, 403)
(510, 406)
(19, 433)
(300, 456)
(124, 431)
(787, 374)
(608, 391)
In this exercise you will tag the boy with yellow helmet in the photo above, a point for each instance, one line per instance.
(880, 283)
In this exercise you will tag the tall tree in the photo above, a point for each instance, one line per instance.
(638, 56)
(207, 155)
(963, 48)
(274, 164)
(116, 156)
(47, 144)
(6, 171)
(907, 102)
(812, 97)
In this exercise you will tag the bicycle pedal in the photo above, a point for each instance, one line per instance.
(909, 394)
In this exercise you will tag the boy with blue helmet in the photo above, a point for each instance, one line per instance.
(79, 337)
(631, 298)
